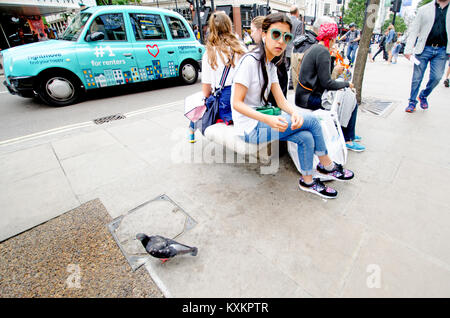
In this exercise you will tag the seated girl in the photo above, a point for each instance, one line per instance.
(222, 49)
(256, 76)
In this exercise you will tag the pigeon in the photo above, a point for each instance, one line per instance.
(164, 248)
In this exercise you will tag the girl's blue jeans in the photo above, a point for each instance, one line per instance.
(309, 139)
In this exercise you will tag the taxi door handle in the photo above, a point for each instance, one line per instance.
(171, 52)
(127, 54)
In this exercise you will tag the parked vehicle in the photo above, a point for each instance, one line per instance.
(105, 46)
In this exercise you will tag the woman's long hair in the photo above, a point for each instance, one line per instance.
(268, 21)
(222, 40)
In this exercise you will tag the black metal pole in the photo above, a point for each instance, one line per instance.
(200, 28)
(176, 5)
(393, 19)
(212, 5)
(343, 11)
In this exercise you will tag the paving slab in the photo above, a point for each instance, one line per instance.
(25, 163)
(91, 170)
(386, 268)
(82, 143)
(34, 200)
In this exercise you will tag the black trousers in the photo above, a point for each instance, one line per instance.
(349, 131)
(382, 49)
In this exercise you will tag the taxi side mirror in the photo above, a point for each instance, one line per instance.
(96, 36)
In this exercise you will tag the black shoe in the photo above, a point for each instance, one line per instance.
(338, 173)
(446, 83)
(318, 188)
(292, 87)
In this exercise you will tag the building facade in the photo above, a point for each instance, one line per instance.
(241, 12)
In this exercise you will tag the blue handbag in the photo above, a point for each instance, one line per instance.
(212, 103)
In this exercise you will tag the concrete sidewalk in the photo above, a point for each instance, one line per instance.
(258, 235)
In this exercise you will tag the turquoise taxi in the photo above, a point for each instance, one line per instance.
(105, 46)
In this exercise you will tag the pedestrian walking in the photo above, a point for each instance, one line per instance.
(352, 36)
(297, 31)
(447, 76)
(382, 46)
(431, 30)
(390, 42)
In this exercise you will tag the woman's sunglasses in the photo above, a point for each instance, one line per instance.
(276, 35)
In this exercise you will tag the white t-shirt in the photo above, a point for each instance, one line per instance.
(248, 73)
(210, 76)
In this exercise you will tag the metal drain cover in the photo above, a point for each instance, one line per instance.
(107, 119)
(159, 216)
(378, 107)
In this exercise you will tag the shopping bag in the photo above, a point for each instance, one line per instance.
(333, 137)
(194, 106)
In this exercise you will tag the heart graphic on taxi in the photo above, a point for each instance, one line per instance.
(148, 46)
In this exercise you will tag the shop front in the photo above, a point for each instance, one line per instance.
(23, 22)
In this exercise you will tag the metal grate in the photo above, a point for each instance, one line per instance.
(160, 216)
(107, 119)
(378, 107)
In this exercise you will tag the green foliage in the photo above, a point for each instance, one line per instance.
(355, 13)
(400, 25)
(423, 2)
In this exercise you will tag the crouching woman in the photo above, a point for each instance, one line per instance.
(256, 76)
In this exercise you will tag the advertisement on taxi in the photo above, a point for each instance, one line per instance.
(105, 46)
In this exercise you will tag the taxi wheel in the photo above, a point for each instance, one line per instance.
(59, 89)
(188, 73)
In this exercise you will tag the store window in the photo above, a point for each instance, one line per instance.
(148, 27)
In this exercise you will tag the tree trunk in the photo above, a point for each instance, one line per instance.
(364, 43)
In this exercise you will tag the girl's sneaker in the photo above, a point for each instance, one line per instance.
(357, 138)
(338, 173)
(192, 138)
(318, 188)
(355, 147)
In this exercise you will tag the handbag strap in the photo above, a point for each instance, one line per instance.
(225, 73)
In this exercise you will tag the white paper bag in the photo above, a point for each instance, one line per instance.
(194, 106)
(333, 137)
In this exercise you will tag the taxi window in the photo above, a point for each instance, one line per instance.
(148, 26)
(177, 28)
(111, 25)
(76, 27)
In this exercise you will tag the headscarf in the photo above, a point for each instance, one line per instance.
(327, 32)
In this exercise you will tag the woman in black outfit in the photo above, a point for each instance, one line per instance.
(315, 78)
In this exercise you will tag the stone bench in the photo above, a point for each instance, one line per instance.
(225, 135)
